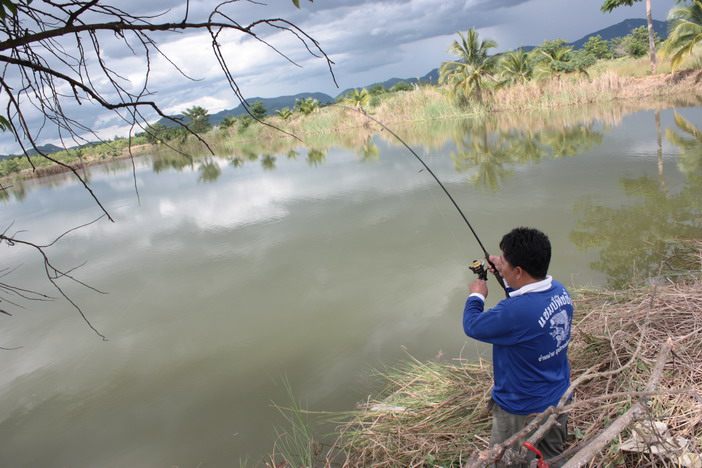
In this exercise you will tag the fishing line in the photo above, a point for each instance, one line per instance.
(487, 255)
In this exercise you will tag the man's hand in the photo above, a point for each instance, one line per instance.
(479, 286)
(497, 261)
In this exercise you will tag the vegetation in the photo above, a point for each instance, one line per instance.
(198, 119)
(685, 31)
(610, 5)
(466, 76)
(306, 106)
(359, 98)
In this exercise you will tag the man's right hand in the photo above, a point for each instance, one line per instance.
(497, 261)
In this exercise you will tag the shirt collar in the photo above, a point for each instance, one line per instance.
(539, 286)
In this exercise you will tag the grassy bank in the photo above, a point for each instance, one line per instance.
(435, 413)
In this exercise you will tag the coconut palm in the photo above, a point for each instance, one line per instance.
(685, 31)
(610, 5)
(359, 98)
(551, 62)
(285, 113)
(306, 106)
(514, 67)
(466, 75)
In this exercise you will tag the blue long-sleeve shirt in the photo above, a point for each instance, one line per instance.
(530, 332)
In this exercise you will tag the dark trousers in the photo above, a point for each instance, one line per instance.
(505, 424)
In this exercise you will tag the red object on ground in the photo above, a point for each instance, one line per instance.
(541, 463)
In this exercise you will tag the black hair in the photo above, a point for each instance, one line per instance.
(527, 248)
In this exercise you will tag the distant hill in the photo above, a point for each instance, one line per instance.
(47, 149)
(618, 30)
(271, 105)
(622, 29)
(431, 77)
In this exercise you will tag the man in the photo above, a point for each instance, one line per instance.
(530, 332)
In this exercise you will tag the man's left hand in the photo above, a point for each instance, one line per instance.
(478, 286)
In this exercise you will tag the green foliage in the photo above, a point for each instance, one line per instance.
(685, 32)
(635, 44)
(9, 166)
(401, 86)
(306, 106)
(466, 76)
(554, 58)
(359, 98)
(155, 133)
(296, 444)
(244, 122)
(610, 5)
(514, 67)
(377, 89)
(551, 48)
(227, 122)
(4, 124)
(297, 2)
(285, 113)
(199, 119)
(598, 47)
(11, 7)
(258, 110)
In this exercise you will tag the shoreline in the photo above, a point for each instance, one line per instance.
(531, 97)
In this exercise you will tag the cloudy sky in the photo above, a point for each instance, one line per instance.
(368, 41)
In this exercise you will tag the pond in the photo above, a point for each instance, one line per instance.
(225, 281)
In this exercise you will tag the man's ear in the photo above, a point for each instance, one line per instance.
(518, 271)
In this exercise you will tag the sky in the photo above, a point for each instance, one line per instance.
(368, 41)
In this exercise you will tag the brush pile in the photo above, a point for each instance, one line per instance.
(435, 414)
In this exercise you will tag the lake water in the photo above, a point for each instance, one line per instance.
(227, 277)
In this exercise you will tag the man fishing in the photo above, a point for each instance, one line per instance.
(530, 332)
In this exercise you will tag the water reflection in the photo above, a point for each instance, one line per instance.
(635, 238)
(689, 144)
(338, 266)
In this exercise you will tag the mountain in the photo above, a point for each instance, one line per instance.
(431, 77)
(47, 149)
(618, 30)
(622, 29)
(271, 105)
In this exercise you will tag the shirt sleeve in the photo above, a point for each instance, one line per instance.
(497, 325)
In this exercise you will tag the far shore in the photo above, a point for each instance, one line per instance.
(427, 104)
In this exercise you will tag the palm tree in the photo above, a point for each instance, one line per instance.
(610, 5)
(685, 31)
(306, 106)
(285, 113)
(465, 76)
(359, 98)
(514, 67)
(552, 61)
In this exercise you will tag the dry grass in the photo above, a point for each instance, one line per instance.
(433, 414)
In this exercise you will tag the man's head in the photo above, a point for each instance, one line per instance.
(529, 249)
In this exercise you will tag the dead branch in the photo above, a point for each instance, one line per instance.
(53, 273)
(598, 443)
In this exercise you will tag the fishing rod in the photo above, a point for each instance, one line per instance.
(476, 267)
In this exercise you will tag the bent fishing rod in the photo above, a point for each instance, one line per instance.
(476, 267)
